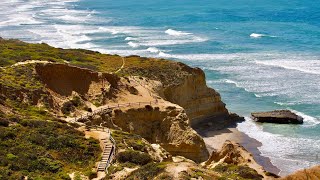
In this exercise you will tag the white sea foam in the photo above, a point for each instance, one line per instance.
(132, 44)
(308, 120)
(282, 150)
(256, 35)
(172, 32)
(69, 18)
(165, 55)
(153, 50)
(203, 57)
(291, 103)
(233, 82)
(130, 39)
(307, 66)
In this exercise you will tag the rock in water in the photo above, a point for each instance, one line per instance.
(277, 116)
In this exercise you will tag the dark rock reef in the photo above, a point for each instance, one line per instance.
(277, 116)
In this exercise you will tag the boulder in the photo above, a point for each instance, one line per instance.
(277, 116)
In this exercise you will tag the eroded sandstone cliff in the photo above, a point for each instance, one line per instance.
(199, 101)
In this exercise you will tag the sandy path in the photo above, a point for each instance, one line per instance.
(122, 66)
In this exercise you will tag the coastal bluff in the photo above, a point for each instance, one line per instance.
(74, 83)
(149, 105)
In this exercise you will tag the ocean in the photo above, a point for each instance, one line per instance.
(260, 55)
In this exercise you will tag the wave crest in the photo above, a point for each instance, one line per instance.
(172, 32)
(256, 35)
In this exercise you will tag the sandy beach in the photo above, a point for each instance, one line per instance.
(215, 136)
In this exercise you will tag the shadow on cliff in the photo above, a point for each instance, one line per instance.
(217, 125)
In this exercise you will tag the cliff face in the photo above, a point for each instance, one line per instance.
(168, 127)
(64, 79)
(199, 101)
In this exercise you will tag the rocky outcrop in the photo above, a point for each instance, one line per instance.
(199, 101)
(168, 127)
(230, 153)
(235, 154)
(305, 174)
(277, 116)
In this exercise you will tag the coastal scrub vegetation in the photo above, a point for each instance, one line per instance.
(20, 77)
(13, 51)
(148, 171)
(230, 171)
(44, 150)
(133, 153)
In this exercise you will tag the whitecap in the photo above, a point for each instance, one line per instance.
(129, 39)
(153, 50)
(306, 118)
(132, 44)
(256, 35)
(172, 32)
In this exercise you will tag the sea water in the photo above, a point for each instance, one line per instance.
(260, 55)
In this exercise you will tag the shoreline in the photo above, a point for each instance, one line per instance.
(214, 138)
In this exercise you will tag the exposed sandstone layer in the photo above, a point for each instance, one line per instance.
(168, 127)
(64, 79)
(306, 174)
(234, 153)
(199, 101)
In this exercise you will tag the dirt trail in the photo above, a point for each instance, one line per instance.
(122, 66)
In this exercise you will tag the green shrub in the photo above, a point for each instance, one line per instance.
(136, 144)
(67, 107)
(146, 172)
(238, 172)
(4, 122)
(45, 150)
(91, 174)
(135, 157)
(71, 105)
(11, 157)
(115, 168)
(64, 176)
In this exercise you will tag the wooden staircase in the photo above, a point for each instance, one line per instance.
(107, 155)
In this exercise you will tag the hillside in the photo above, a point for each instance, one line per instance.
(50, 99)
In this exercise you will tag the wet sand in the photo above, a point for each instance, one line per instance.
(214, 137)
